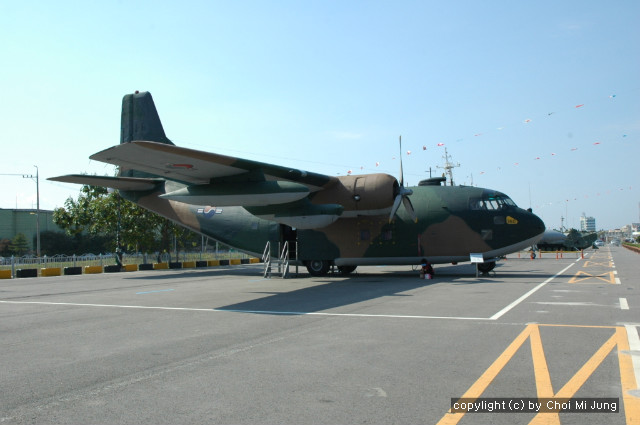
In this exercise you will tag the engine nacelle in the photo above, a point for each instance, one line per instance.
(367, 194)
(240, 193)
(301, 215)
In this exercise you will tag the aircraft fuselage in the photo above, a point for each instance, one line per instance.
(453, 222)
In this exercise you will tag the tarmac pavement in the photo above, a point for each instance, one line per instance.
(225, 345)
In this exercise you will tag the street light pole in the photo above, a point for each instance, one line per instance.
(35, 178)
(37, 211)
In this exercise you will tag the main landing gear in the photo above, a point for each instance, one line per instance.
(485, 268)
(318, 267)
(321, 268)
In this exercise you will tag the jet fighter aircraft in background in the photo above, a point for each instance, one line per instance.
(344, 221)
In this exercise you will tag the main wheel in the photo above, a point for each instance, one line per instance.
(486, 267)
(345, 270)
(318, 267)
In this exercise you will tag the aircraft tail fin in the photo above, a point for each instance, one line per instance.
(140, 120)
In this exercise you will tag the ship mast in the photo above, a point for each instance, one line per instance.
(448, 166)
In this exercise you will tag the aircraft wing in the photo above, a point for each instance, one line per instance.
(120, 183)
(194, 167)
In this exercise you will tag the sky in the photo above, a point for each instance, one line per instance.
(539, 100)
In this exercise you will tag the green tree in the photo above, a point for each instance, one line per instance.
(19, 245)
(52, 243)
(4, 247)
(98, 212)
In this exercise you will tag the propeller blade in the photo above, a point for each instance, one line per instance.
(409, 207)
(402, 193)
(394, 208)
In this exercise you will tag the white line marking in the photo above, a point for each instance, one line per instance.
(218, 310)
(525, 296)
(108, 305)
(624, 305)
(315, 313)
(634, 347)
(617, 281)
(302, 313)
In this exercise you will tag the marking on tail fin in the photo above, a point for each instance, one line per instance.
(179, 166)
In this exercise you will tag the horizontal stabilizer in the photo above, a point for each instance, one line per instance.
(120, 183)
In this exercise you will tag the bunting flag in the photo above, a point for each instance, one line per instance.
(528, 121)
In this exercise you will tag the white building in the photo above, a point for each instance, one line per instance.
(587, 224)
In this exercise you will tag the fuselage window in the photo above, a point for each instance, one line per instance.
(475, 204)
(509, 202)
(493, 202)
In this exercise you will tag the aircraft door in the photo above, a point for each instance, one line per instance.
(290, 235)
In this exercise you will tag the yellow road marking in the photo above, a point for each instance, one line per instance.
(541, 372)
(628, 378)
(543, 378)
(540, 368)
(488, 376)
(610, 278)
(590, 263)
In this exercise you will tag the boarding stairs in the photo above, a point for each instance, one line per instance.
(282, 261)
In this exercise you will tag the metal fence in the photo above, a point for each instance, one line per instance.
(28, 262)
(558, 255)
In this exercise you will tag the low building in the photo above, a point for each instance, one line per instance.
(23, 221)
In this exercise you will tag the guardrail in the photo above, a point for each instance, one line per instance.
(558, 255)
(58, 265)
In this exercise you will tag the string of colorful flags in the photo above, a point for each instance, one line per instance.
(479, 134)
(528, 121)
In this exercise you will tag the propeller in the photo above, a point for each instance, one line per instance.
(401, 194)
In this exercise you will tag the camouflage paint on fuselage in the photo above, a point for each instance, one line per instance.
(447, 229)
(233, 226)
(343, 220)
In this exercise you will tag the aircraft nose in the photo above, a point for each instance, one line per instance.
(535, 223)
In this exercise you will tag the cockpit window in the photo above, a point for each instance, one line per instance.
(491, 201)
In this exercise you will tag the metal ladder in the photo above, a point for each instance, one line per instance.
(266, 260)
(283, 261)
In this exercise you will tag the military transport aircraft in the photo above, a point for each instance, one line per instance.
(344, 221)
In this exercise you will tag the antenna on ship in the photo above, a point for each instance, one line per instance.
(448, 166)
